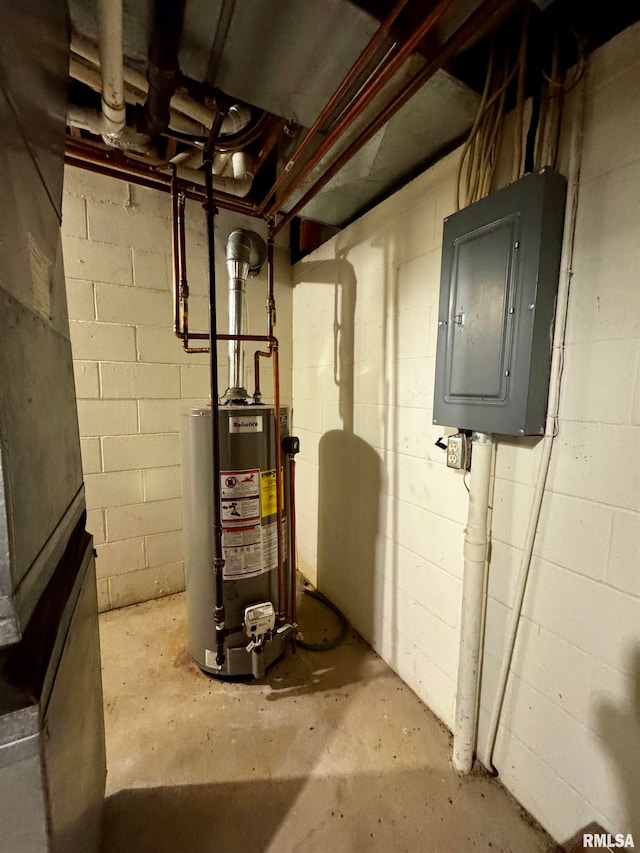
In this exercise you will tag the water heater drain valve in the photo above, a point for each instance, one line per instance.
(259, 622)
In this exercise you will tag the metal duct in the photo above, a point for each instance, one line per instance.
(246, 254)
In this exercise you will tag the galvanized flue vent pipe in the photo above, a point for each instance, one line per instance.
(246, 253)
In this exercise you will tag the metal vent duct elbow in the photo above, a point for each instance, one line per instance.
(246, 254)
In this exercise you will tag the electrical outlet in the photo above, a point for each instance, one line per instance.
(458, 455)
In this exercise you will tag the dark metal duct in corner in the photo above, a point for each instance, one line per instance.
(246, 254)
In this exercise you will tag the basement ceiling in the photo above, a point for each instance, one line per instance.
(283, 56)
(287, 58)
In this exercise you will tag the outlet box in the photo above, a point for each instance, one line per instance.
(459, 451)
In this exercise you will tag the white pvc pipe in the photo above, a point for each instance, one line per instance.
(557, 359)
(86, 119)
(476, 542)
(239, 184)
(236, 120)
(112, 65)
(90, 76)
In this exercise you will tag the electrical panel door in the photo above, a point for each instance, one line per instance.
(500, 266)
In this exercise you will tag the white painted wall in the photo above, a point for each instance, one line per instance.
(133, 379)
(381, 517)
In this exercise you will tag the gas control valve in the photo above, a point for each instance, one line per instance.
(290, 445)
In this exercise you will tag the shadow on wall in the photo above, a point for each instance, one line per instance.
(619, 727)
(349, 494)
(350, 473)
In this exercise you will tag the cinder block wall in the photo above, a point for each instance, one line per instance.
(132, 377)
(381, 517)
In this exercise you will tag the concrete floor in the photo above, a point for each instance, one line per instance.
(331, 752)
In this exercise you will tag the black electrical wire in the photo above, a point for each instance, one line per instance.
(342, 633)
(529, 157)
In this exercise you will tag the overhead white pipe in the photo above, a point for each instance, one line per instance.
(127, 139)
(238, 184)
(111, 123)
(90, 76)
(476, 543)
(551, 426)
(110, 38)
(86, 119)
(236, 120)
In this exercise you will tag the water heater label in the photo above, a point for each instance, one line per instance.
(240, 509)
(240, 484)
(270, 543)
(268, 492)
(245, 423)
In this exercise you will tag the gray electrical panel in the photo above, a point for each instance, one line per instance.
(500, 267)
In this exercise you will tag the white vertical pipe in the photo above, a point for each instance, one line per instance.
(476, 541)
(557, 359)
(110, 37)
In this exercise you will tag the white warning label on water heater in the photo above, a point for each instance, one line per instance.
(270, 543)
(240, 509)
(240, 484)
(241, 530)
(242, 548)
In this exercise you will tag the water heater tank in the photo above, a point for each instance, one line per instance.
(248, 497)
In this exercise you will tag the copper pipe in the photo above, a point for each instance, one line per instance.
(450, 49)
(180, 282)
(276, 413)
(202, 336)
(95, 159)
(363, 100)
(175, 255)
(268, 338)
(270, 140)
(183, 282)
(258, 354)
(356, 69)
(293, 557)
(271, 320)
(271, 299)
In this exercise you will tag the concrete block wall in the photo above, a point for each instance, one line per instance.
(381, 517)
(132, 378)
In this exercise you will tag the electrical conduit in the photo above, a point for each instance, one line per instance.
(557, 359)
(476, 541)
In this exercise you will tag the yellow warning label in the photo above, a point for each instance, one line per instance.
(268, 492)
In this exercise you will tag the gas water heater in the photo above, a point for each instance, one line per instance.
(256, 630)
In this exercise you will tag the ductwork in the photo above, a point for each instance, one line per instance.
(246, 254)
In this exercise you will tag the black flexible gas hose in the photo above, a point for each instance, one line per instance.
(342, 633)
